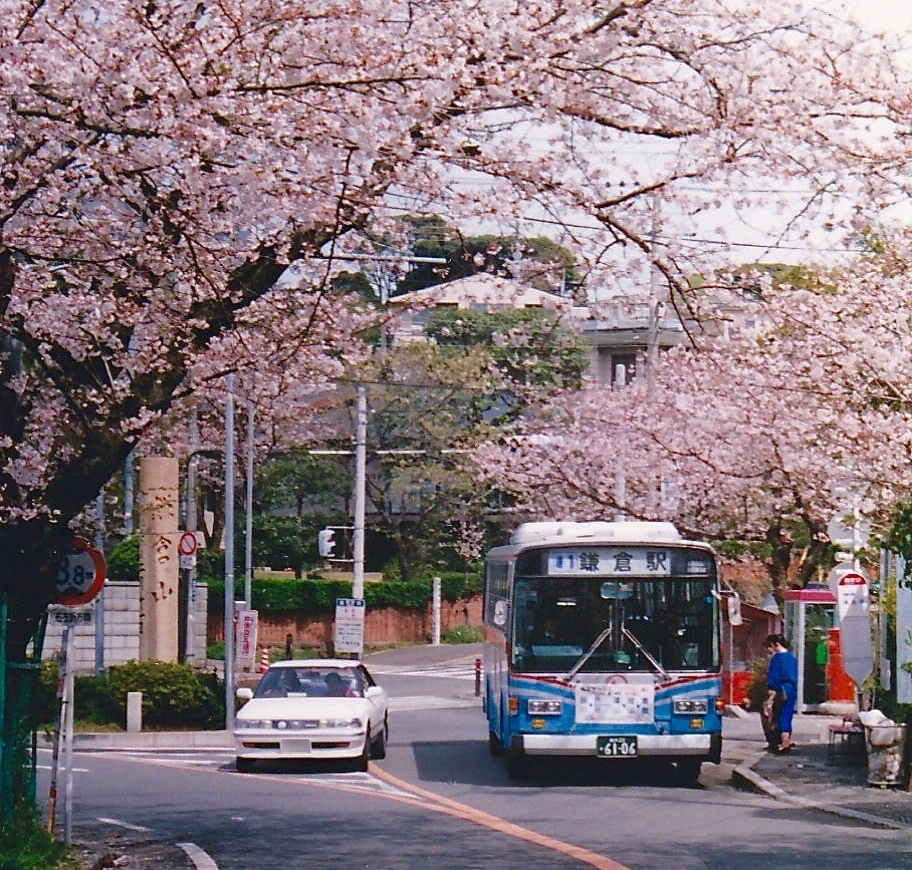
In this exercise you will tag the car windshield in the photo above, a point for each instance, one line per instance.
(310, 682)
(571, 624)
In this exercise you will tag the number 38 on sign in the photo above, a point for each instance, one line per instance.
(81, 574)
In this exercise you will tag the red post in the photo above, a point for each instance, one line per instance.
(841, 687)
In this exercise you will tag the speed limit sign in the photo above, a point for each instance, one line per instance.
(81, 574)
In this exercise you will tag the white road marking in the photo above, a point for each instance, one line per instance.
(121, 824)
(428, 702)
(451, 672)
(200, 859)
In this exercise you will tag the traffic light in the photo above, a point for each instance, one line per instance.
(326, 543)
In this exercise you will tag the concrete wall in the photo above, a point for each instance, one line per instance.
(121, 628)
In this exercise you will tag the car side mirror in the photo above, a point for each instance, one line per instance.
(372, 691)
(244, 694)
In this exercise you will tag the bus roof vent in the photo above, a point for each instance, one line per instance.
(630, 532)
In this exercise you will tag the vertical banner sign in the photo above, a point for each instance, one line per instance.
(852, 604)
(245, 642)
(349, 625)
(903, 632)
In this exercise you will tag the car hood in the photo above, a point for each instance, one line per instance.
(304, 708)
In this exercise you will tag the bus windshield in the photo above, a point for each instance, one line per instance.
(599, 624)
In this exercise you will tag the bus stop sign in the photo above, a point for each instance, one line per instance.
(852, 605)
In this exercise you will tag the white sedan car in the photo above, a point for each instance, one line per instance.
(312, 709)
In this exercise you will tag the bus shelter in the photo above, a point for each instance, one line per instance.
(809, 615)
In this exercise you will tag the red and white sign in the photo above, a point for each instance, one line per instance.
(81, 574)
(853, 608)
(187, 545)
(246, 638)
(852, 595)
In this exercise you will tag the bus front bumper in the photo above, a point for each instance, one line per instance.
(705, 746)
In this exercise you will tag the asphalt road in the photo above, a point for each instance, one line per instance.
(439, 801)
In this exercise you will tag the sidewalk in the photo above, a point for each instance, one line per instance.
(803, 777)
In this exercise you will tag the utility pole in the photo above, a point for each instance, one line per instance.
(248, 536)
(229, 553)
(360, 495)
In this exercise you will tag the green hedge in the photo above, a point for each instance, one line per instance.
(319, 596)
(174, 696)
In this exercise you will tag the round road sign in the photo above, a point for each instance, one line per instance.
(81, 574)
(187, 544)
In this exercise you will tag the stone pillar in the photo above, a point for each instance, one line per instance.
(158, 559)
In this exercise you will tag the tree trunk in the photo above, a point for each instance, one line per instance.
(780, 558)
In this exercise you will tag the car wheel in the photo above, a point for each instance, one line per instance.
(494, 744)
(244, 765)
(362, 760)
(378, 747)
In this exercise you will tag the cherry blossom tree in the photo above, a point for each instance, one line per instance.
(800, 419)
(179, 181)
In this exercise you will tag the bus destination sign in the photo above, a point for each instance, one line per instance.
(610, 561)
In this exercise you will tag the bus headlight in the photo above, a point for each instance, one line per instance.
(690, 706)
(544, 708)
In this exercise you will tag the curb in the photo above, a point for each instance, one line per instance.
(745, 773)
(168, 740)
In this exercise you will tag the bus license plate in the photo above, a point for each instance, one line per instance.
(617, 747)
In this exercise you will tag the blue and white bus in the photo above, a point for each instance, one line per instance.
(603, 640)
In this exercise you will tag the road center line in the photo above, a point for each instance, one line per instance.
(502, 826)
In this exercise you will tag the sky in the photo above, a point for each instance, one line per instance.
(887, 14)
(756, 235)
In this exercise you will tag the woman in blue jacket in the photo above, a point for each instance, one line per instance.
(782, 686)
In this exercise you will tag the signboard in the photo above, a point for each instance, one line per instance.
(186, 548)
(843, 568)
(81, 574)
(852, 606)
(349, 636)
(848, 537)
(609, 561)
(620, 703)
(245, 645)
(72, 615)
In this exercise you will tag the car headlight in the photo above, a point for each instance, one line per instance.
(544, 708)
(340, 723)
(689, 706)
(252, 723)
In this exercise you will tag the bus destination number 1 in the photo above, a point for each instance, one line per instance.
(617, 747)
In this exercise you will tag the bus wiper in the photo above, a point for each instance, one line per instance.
(588, 654)
(653, 661)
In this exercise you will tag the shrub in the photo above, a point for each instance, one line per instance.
(756, 691)
(174, 695)
(462, 634)
(319, 596)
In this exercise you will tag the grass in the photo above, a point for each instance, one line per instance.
(26, 845)
(463, 634)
